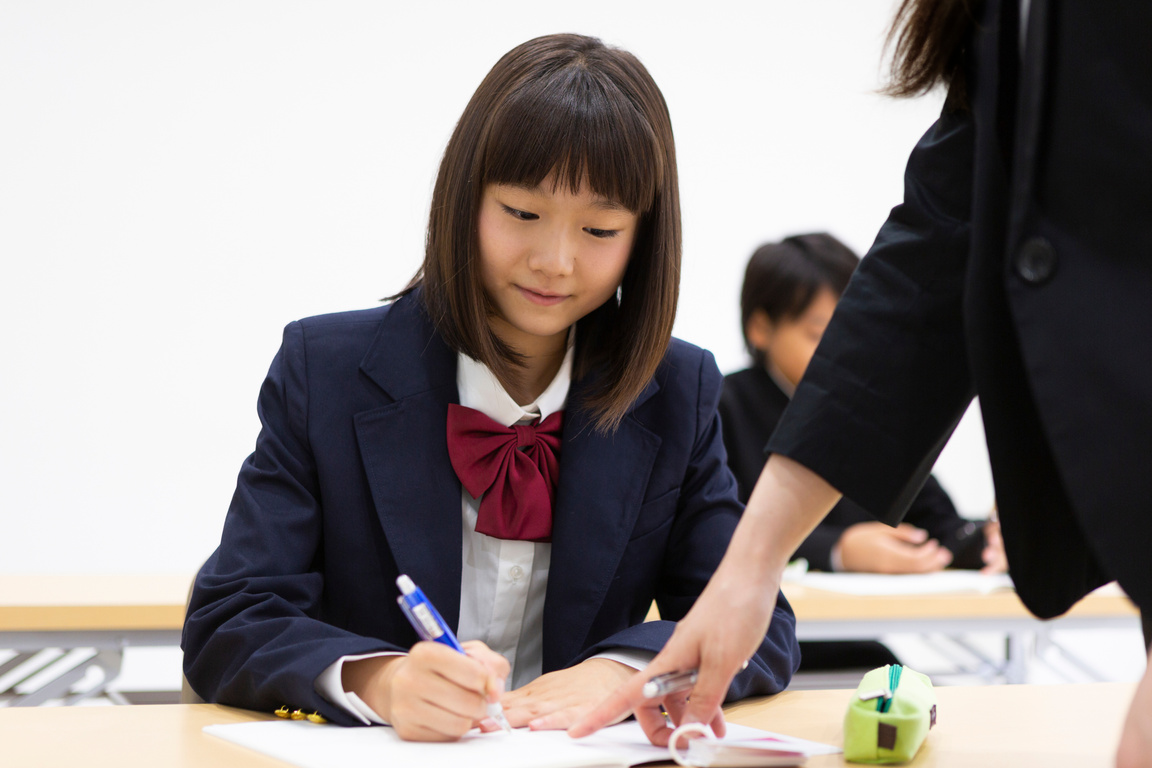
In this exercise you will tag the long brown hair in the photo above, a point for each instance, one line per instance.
(927, 39)
(592, 114)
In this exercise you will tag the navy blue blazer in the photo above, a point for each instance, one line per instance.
(350, 485)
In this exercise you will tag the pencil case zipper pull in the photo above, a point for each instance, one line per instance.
(894, 672)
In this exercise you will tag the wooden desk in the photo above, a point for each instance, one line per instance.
(825, 615)
(105, 612)
(986, 726)
(1017, 726)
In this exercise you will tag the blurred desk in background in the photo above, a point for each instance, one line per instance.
(89, 619)
(860, 613)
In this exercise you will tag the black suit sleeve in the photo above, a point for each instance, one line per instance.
(890, 378)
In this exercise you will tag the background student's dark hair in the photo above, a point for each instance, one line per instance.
(783, 278)
(928, 39)
(592, 114)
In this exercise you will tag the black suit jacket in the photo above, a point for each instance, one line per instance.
(351, 484)
(750, 407)
(1019, 268)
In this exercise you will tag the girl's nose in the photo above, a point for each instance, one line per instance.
(555, 255)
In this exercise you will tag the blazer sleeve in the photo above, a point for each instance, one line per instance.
(254, 635)
(890, 378)
(933, 510)
(708, 511)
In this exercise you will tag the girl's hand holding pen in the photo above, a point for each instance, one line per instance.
(434, 693)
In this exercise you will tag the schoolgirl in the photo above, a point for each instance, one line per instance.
(517, 432)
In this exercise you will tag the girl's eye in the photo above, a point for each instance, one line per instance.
(601, 233)
(522, 215)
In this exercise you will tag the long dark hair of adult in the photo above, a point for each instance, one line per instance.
(927, 39)
(592, 115)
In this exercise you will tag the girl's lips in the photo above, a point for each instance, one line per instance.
(543, 299)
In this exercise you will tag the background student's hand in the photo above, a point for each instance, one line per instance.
(874, 547)
(433, 693)
(558, 699)
(995, 559)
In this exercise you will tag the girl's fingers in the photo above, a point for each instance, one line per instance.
(497, 666)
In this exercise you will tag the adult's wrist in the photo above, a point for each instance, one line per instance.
(789, 500)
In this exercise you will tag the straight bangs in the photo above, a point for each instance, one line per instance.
(579, 124)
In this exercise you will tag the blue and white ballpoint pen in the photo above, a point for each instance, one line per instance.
(429, 625)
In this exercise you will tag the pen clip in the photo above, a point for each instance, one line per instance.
(421, 619)
(423, 616)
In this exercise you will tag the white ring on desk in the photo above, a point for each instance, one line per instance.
(683, 730)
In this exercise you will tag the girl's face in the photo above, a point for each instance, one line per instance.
(548, 258)
(790, 343)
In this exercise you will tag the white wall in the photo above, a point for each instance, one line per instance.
(180, 179)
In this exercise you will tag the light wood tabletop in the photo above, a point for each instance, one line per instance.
(1017, 726)
(39, 602)
(811, 605)
(985, 726)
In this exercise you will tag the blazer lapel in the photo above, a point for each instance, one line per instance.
(405, 454)
(602, 483)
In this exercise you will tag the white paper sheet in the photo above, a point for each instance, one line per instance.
(939, 583)
(308, 745)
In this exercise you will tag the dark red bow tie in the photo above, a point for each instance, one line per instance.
(514, 469)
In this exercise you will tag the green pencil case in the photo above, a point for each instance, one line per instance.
(889, 716)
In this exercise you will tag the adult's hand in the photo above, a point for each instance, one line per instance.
(874, 547)
(728, 621)
(1136, 739)
(718, 635)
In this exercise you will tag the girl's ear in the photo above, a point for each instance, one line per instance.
(759, 330)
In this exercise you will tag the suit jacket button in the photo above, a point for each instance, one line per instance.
(1036, 261)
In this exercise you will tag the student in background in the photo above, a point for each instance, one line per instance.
(790, 291)
(517, 432)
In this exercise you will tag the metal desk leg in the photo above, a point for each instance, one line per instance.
(107, 660)
(1018, 656)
